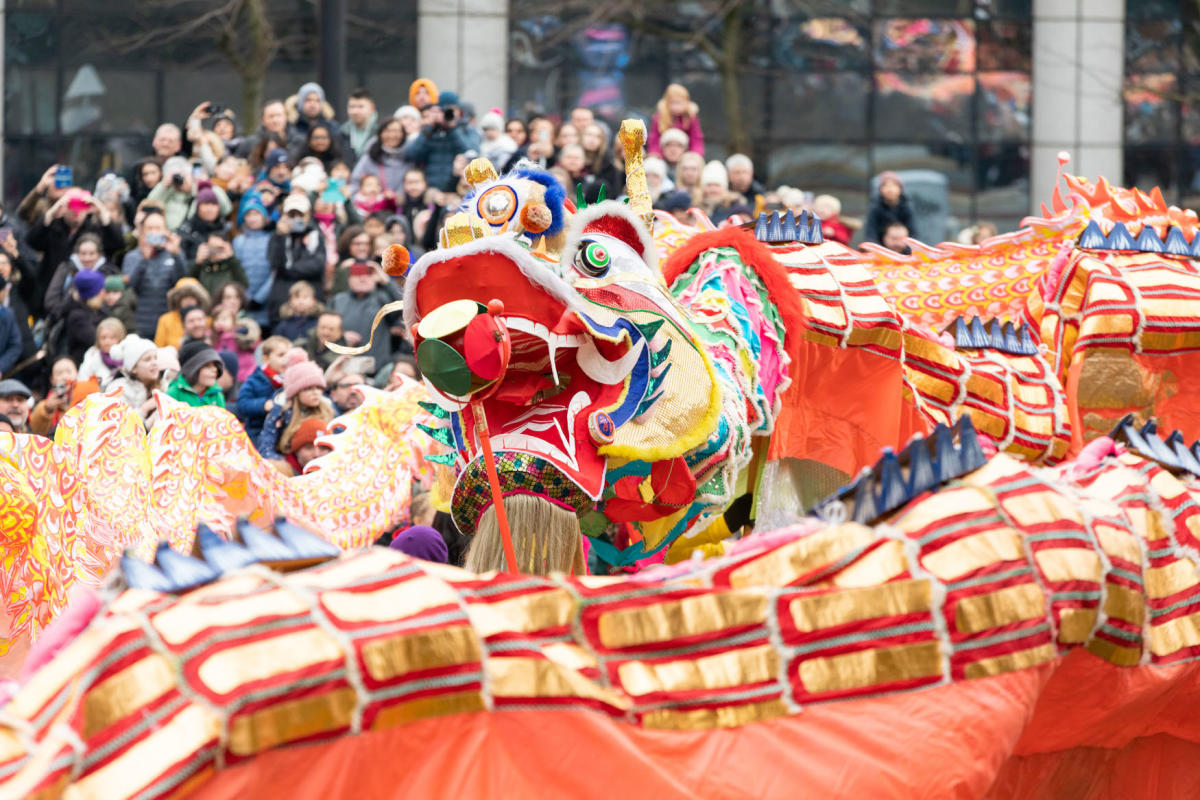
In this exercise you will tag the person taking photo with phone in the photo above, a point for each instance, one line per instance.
(152, 269)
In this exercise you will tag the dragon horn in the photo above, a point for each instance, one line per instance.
(633, 136)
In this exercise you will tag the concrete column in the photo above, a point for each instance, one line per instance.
(462, 46)
(1078, 74)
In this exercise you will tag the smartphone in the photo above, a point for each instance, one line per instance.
(156, 239)
(64, 177)
(214, 108)
(544, 135)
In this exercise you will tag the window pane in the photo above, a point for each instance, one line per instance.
(108, 100)
(836, 169)
(1002, 180)
(1147, 167)
(803, 107)
(1150, 111)
(1005, 45)
(825, 43)
(937, 181)
(29, 100)
(925, 45)
(1151, 9)
(1190, 177)
(183, 90)
(1003, 105)
(923, 107)
(30, 39)
(1152, 46)
(1003, 9)
(947, 8)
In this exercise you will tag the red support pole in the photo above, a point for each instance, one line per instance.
(489, 461)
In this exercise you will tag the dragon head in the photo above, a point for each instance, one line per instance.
(584, 368)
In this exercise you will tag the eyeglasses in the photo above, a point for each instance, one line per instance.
(349, 385)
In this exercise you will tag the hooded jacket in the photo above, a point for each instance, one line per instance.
(151, 278)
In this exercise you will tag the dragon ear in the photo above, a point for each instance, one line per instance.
(612, 218)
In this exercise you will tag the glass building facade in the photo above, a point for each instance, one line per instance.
(87, 81)
(1162, 98)
(832, 92)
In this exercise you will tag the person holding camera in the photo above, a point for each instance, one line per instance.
(439, 142)
(175, 191)
(296, 253)
(152, 269)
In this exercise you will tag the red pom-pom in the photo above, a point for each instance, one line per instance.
(495, 307)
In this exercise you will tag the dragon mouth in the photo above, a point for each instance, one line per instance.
(566, 369)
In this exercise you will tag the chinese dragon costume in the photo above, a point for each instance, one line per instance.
(940, 626)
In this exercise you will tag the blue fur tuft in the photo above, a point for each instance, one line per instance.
(555, 196)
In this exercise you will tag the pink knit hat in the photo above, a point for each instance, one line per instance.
(299, 377)
(296, 355)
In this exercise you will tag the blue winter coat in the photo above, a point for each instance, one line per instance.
(252, 396)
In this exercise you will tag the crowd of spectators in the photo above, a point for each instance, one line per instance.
(220, 265)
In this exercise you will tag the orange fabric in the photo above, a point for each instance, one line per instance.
(1175, 383)
(1036, 733)
(843, 406)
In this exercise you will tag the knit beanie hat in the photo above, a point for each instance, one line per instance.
(194, 355)
(307, 89)
(130, 351)
(295, 356)
(714, 172)
(673, 135)
(421, 541)
(307, 433)
(299, 377)
(491, 121)
(251, 201)
(888, 175)
(206, 195)
(113, 283)
(229, 361)
(89, 283)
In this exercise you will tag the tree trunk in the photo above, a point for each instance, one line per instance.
(255, 57)
(731, 65)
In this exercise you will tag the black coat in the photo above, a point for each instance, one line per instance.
(295, 256)
(881, 215)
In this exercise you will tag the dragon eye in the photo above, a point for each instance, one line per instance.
(592, 259)
(497, 205)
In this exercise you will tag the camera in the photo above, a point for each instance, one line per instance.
(60, 390)
(215, 108)
(448, 114)
(177, 181)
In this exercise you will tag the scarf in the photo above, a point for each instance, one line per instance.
(360, 136)
(275, 377)
(110, 362)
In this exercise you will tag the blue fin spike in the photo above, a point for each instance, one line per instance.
(263, 545)
(184, 572)
(774, 228)
(802, 228)
(1186, 459)
(140, 575)
(921, 474)
(816, 235)
(225, 556)
(977, 335)
(995, 331)
(1028, 346)
(304, 543)
(760, 227)
(1119, 238)
(1148, 241)
(790, 232)
(892, 491)
(1177, 243)
(1092, 237)
(865, 507)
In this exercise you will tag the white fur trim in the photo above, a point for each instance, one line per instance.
(574, 229)
(536, 272)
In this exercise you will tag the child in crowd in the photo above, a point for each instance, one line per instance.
(250, 247)
(139, 376)
(117, 301)
(304, 447)
(829, 210)
(237, 336)
(371, 196)
(98, 362)
(299, 314)
(232, 297)
(303, 387)
(196, 384)
(255, 398)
